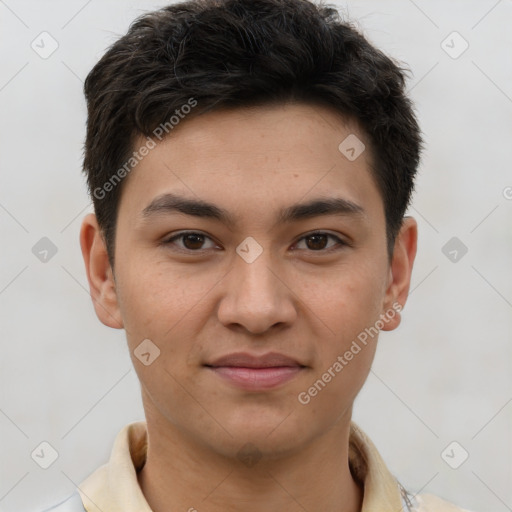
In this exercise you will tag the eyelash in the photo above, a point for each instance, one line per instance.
(340, 243)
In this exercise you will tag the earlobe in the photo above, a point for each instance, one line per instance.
(400, 271)
(99, 273)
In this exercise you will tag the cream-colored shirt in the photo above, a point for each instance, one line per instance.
(114, 486)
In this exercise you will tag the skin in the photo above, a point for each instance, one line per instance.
(296, 298)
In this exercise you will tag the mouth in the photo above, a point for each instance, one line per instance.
(254, 373)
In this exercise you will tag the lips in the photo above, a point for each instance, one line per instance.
(245, 360)
(256, 373)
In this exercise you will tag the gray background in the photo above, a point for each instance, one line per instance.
(444, 375)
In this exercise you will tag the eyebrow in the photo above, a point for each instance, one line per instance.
(169, 203)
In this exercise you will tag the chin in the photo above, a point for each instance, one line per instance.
(251, 447)
(266, 435)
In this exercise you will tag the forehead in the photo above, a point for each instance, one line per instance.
(259, 158)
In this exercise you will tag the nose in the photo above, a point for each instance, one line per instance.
(256, 296)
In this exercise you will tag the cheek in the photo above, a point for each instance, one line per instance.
(350, 307)
(347, 301)
(155, 298)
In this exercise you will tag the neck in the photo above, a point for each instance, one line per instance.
(184, 475)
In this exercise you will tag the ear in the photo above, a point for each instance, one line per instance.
(99, 273)
(400, 271)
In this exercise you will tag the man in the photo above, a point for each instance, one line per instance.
(250, 164)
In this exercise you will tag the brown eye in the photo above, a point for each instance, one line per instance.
(190, 241)
(193, 241)
(317, 242)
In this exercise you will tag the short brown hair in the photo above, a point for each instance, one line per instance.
(236, 53)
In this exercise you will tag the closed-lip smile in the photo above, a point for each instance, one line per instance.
(256, 372)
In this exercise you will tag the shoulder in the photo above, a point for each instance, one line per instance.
(431, 503)
(72, 503)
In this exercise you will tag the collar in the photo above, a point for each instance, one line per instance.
(114, 486)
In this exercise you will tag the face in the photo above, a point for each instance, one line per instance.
(251, 253)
